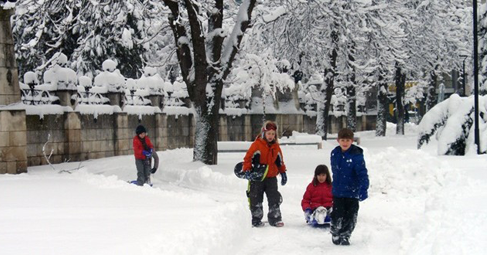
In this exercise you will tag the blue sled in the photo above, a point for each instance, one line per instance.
(315, 224)
(135, 182)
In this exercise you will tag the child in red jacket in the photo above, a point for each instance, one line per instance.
(318, 199)
(143, 152)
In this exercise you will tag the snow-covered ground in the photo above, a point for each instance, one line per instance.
(419, 203)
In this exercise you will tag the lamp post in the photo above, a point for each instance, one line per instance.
(476, 75)
(464, 78)
(32, 85)
(30, 78)
(132, 92)
(87, 90)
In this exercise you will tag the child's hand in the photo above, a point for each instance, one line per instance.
(283, 178)
(148, 154)
(247, 175)
(362, 196)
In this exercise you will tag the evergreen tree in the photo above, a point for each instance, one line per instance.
(88, 32)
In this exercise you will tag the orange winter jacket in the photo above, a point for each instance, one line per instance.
(269, 153)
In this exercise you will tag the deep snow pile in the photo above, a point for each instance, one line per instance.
(419, 203)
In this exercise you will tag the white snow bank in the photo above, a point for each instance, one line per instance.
(419, 203)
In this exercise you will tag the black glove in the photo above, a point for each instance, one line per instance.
(283, 178)
(247, 175)
(153, 170)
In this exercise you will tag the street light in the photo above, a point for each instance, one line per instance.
(464, 78)
(476, 75)
(87, 91)
(30, 78)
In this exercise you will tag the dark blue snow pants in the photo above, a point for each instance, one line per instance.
(344, 216)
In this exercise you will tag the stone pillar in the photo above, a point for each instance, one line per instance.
(9, 80)
(72, 144)
(248, 128)
(156, 101)
(123, 133)
(161, 142)
(65, 97)
(13, 142)
(223, 128)
(116, 98)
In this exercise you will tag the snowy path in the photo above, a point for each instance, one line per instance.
(419, 203)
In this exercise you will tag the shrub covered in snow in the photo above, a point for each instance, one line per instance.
(110, 77)
(151, 81)
(58, 76)
(453, 123)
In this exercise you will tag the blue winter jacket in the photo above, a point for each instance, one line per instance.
(350, 177)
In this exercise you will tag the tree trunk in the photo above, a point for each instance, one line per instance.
(207, 123)
(431, 93)
(351, 94)
(330, 74)
(205, 81)
(382, 107)
(400, 80)
(352, 107)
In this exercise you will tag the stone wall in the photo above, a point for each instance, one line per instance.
(13, 142)
(76, 137)
(39, 131)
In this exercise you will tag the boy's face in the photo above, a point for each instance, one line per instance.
(142, 135)
(270, 135)
(344, 143)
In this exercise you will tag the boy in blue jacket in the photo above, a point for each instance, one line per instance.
(350, 184)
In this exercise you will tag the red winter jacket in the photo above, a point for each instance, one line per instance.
(268, 155)
(315, 196)
(139, 148)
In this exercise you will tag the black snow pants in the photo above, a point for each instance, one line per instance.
(256, 198)
(344, 216)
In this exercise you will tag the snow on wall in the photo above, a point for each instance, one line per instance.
(110, 77)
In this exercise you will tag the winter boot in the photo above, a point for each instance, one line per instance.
(336, 239)
(258, 224)
(319, 215)
(344, 240)
(277, 224)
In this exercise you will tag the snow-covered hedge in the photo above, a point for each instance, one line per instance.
(453, 123)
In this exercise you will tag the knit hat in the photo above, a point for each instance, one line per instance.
(140, 129)
(268, 125)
